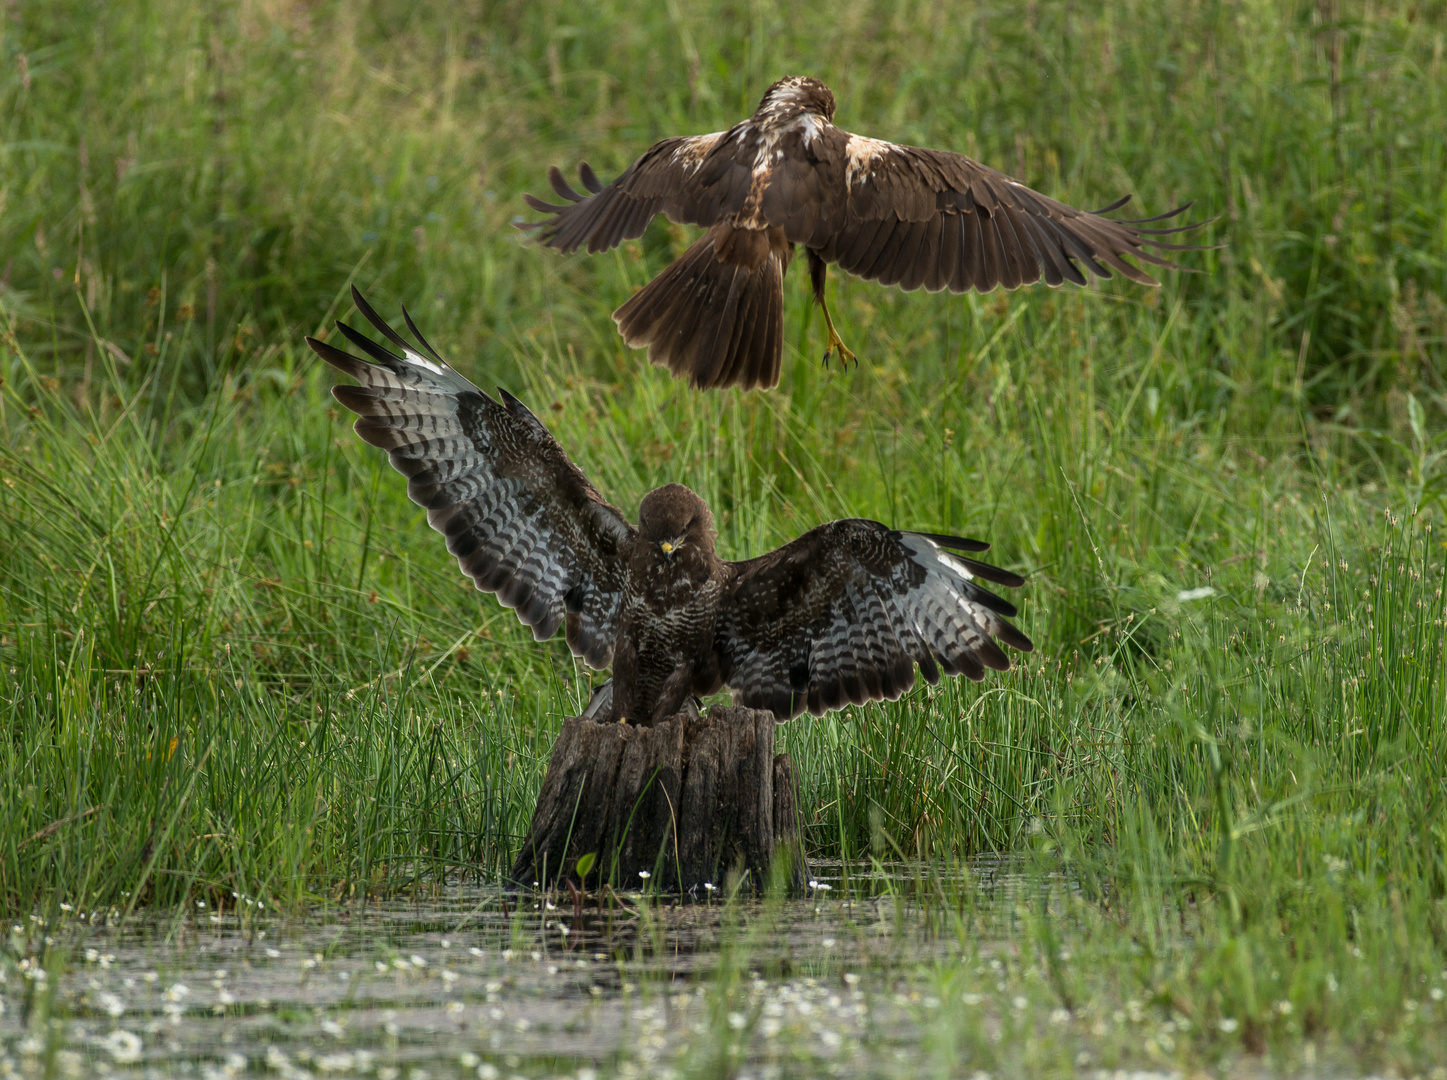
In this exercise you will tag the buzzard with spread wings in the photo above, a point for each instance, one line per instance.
(899, 215)
(842, 614)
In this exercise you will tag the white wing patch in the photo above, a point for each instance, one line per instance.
(690, 153)
(861, 154)
(415, 357)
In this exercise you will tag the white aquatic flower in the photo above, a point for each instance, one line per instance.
(1019, 1003)
(418, 962)
(487, 1071)
(737, 1021)
(828, 943)
(644, 874)
(124, 1046)
(1228, 1024)
(112, 1005)
(176, 991)
(1283, 1007)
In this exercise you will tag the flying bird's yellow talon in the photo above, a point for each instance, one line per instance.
(845, 355)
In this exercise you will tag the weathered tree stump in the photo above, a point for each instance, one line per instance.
(688, 802)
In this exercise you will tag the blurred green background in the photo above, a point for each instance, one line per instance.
(235, 659)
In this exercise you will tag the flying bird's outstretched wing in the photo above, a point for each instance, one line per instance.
(916, 217)
(844, 613)
(523, 520)
(682, 177)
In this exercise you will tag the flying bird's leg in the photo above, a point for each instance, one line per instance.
(818, 268)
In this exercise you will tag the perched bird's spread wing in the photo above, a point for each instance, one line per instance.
(523, 520)
(694, 180)
(916, 217)
(843, 614)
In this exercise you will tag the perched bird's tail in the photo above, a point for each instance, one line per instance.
(716, 316)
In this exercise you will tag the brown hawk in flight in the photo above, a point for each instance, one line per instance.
(899, 215)
(842, 614)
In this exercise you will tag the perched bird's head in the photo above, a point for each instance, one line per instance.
(674, 519)
(794, 96)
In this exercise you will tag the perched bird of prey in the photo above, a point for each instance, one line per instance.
(842, 614)
(899, 215)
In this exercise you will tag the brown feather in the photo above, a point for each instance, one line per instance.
(901, 215)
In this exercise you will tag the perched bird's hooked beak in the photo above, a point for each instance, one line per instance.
(666, 547)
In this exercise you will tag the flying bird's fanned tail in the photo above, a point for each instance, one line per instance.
(844, 613)
(716, 315)
(521, 519)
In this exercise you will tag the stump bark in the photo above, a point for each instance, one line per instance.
(689, 802)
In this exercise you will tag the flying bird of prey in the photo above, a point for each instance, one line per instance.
(842, 614)
(899, 215)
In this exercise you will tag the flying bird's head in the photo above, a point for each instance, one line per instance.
(794, 96)
(676, 521)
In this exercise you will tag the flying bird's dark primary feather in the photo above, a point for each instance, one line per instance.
(842, 614)
(898, 215)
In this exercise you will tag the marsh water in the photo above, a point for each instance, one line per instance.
(859, 977)
(473, 981)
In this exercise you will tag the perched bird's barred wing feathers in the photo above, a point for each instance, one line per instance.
(844, 613)
(917, 217)
(695, 180)
(523, 520)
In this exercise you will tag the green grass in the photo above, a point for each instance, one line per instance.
(235, 659)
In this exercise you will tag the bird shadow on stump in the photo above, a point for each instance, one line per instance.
(678, 807)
